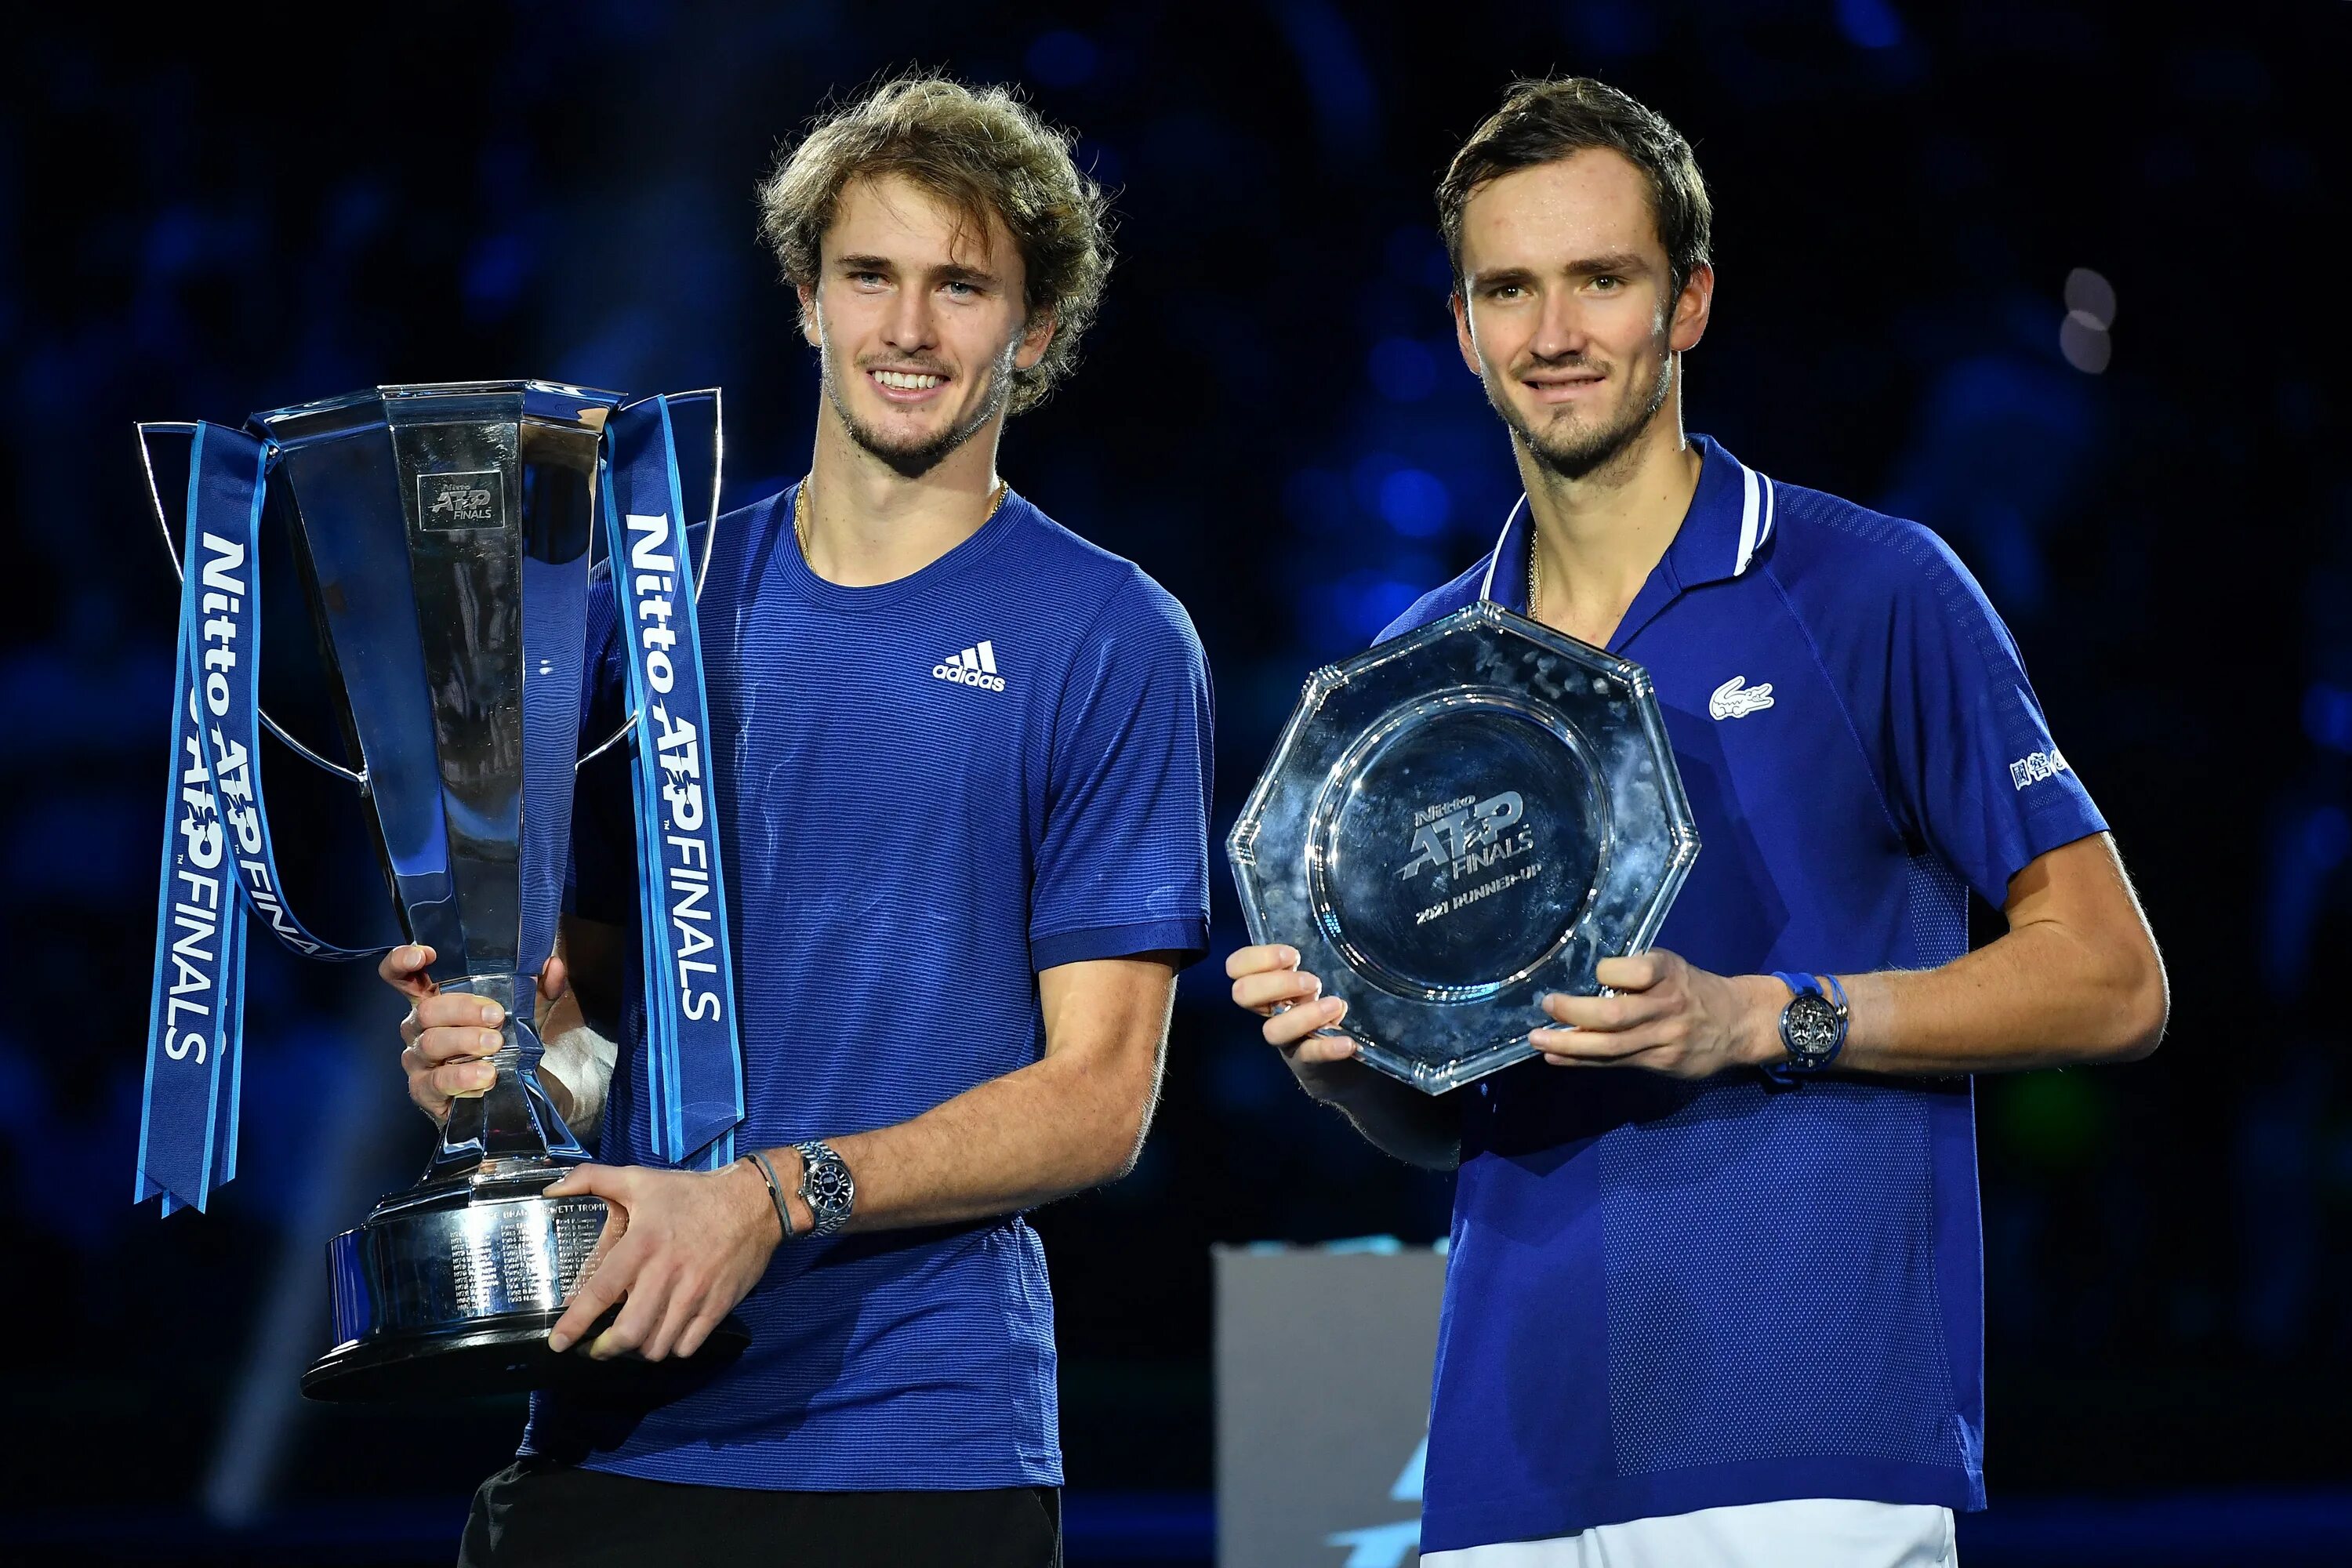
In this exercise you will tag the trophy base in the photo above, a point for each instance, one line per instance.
(507, 1357)
(450, 1291)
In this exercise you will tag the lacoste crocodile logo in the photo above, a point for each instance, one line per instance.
(1735, 699)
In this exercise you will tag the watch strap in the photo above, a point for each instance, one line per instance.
(1811, 985)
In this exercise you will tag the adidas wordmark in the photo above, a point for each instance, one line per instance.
(972, 667)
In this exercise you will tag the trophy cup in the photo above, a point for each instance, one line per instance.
(1455, 824)
(442, 535)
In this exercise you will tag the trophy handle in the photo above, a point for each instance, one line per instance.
(171, 548)
(359, 779)
(702, 568)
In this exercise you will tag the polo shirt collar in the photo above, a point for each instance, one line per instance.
(1728, 525)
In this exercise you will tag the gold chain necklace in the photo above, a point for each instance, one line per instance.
(801, 511)
(1535, 576)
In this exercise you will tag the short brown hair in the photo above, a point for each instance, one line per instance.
(1543, 121)
(980, 150)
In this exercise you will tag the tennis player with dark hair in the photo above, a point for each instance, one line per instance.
(1714, 1290)
(964, 758)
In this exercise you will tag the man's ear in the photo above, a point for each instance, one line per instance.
(1691, 307)
(1035, 338)
(809, 332)
(1462, 338)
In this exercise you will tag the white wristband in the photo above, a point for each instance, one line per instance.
(580, 1062)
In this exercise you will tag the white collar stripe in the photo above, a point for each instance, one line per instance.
(1748, 511)
(1757, 510)
(1486, 589)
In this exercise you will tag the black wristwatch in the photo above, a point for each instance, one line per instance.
(1812, 1025)
(826, 1187)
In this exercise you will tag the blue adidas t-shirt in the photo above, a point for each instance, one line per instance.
(931, 790)
(1665, 1296)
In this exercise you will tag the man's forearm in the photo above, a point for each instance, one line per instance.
(1058, 1126)
(1071, 1120)
(2039, 997)
(2075, 979)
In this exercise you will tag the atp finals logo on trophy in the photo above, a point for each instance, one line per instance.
(446, 536)
(1458, 839)
(459, 500)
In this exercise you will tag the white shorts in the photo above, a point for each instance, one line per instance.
(1809, 1532)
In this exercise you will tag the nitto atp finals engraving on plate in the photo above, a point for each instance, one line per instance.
(1457, 822)
(1462, 838)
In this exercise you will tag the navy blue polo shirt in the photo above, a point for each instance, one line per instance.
(929, 790)
(1665, 1296)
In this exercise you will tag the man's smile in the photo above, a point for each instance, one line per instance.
(906, 386)
(1563, 385)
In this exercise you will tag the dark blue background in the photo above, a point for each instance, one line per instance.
(216, 212)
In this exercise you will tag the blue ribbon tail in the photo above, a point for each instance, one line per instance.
(187, 1135)
(694, 1055)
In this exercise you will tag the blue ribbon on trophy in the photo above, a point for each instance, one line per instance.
(694, 1065)
(219, 858)
(187, 1131)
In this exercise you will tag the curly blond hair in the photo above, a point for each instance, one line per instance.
(980, 150)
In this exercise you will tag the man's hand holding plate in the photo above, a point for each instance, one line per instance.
(1668, 1016)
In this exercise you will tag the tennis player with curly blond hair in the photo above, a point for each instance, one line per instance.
(965, 758)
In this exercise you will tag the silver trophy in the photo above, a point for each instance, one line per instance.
(1457, 822)
(444, 535)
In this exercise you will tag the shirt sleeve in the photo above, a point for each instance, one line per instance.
(602, 884)
(1977, 776)
(1122, 863)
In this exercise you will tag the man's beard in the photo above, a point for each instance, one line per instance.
(913, 460)
(1578, 452)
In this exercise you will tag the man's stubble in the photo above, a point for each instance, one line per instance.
(1576, 454)
(914, 459)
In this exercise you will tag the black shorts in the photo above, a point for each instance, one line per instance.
(538, 1512)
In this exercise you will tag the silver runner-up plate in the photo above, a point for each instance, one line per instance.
(1457, 823)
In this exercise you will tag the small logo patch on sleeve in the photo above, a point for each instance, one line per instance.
(2035, 767)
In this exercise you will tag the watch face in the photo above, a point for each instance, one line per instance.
(828, 1189)
(1809, 1028)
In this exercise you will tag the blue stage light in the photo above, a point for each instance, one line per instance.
(1404, 370)
(2327, 716)
(1063, 59)
(1869, 24)
(1414, 502)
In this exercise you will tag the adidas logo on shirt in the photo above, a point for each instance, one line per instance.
(972, 667)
